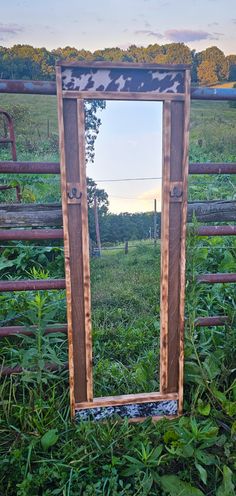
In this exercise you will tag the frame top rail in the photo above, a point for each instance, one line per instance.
(106, 79)
(49, 88)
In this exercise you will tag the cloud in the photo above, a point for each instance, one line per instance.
(187, 35)
(234, 21)
(148, 32)
(213, 24)
(8, 30)
(180, 35)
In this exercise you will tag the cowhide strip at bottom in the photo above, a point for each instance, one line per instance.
(152, 409)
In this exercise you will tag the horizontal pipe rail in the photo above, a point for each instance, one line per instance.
(216, 278)
(30, 331)
(52, 367)
(204, 93)
(212, 168)
(211, 321)
(6, 140)
(30, 234)
(216, 231)
(49, 88)
(4, 187)
(8, 167)
(32, 285)
(27, 87)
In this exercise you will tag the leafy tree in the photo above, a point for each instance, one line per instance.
(102, 196)
(232, 103)
(92, 125)
(71, 53)
(217, 59)
(126, 226)
(102, 205)
(109, 54)
(207, 72)
(25, 61)
(175, 53)
(232, 67)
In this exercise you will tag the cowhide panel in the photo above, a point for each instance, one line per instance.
(152, 409)
(122, 80)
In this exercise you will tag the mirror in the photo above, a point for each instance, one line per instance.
(124, 226)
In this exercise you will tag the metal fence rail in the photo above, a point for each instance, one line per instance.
(49, 88)
(8, 167)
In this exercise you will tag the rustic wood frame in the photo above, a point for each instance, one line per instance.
(176, 115)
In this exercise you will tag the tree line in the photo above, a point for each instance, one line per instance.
(115, 228)
(208, 66)
(125, 226)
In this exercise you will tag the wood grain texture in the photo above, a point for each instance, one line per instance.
(76, 298)
(165, 247)
(175, 220)
(66, 238)
(38, 215)
(183, 234)
(85, 251)
(110, 65)
(176, 199)
(30, 215)
(174, 209)
(155, 418)
(212, 211)
(127, 399)
(105, 95)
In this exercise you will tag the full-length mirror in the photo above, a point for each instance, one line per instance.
(124, 192)
(126, 348)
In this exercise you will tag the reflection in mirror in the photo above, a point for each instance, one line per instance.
(124, 224)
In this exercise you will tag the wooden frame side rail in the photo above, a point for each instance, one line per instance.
(171, 85)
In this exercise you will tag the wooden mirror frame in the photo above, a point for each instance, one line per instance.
(169, 84)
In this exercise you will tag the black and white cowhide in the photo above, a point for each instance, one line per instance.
(152, 409)
(122, 80)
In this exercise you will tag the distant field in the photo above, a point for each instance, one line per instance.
(228, 84)
(41, 109)
(212, 139)
(207, 118)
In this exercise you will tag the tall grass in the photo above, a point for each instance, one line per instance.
(44, 453)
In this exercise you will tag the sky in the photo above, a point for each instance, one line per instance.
(129, 142)
(128, 146)
(108, 23)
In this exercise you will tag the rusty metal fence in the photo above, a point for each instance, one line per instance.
(18, 167)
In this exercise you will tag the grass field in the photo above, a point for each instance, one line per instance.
(212, 138)
(213, 123)
(43, 453)
(126, 320)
